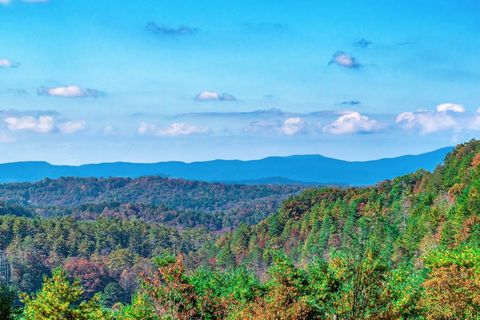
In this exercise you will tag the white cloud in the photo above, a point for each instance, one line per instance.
(407, 118)
(70, 127)
(174, 130)
(108, 130)
(7, 63)
(351, 122)
(447, 116)
(214, 96)
(4, 2)
(454, 107)
(43, 124)
(145, 128)
(70, 91)
(345, 60)
(292, 126)
(182, 129)
(427, 122)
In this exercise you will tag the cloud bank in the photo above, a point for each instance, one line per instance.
(446, 117)
(43, 124)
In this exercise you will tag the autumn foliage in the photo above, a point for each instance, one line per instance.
(408, 248)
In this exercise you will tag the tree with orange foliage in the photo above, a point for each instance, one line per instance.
(286, 298)
(168, 290)
(173, 296)
(452, 290)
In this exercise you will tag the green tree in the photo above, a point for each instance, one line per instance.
(113, 293)
(7, 298)
(286, 298)
(141, 308)
(61, 300)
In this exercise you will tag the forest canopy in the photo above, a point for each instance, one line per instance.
(408, 248)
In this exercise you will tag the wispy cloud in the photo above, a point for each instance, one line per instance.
(70, 91)
(7, 63)
(351, 122)
(70, 127)
(16, 92)
(214, 96)
(6, 2)
(35, 113)
(405, 44)
(169, 31)
(266, 26)
(174, 130)
(350, 103)
(292, 126)
(268, 113)
(362, 43)
(108, 130)
(344, 59)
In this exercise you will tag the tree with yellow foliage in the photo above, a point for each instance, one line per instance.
(59, 299)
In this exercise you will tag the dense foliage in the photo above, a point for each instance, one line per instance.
(174, 202)
(7, 299)
(403, 249)
(401, 220)
(60, 299)
(100, 252)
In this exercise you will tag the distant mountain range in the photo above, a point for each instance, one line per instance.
(300, 169)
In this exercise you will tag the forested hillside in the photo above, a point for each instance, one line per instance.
(102, 252)
(403, 249)
(401, 220)
(106, 231)
(175, 202)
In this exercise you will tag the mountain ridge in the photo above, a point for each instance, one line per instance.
(307, 169)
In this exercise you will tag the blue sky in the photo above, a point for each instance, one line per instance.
(146, 81)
